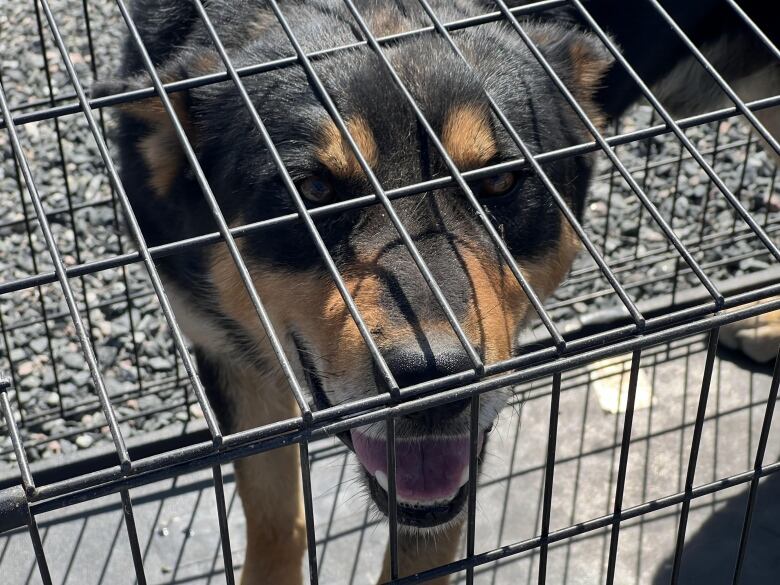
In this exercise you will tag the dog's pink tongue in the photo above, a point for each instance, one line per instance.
(425, 471)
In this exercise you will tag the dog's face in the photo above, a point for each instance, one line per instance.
(406, 322)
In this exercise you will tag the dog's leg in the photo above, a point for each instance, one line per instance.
(421, 551)
(269, 484)
(757, 337)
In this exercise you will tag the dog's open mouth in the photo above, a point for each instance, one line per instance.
(431, 475)
(431, 472)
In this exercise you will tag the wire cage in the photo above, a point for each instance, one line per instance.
(631, 443)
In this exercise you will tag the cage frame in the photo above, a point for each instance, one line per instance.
(20, 504)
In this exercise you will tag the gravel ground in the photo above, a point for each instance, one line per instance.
(700, 215)
(133, 344)
(57, 407)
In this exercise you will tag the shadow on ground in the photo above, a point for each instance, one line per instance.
(710, 554)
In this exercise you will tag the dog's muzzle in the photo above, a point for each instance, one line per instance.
(432, 465)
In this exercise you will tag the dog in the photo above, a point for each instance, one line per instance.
(241, 374)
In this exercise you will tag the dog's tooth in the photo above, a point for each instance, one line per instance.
(381, 479)
(464, 476)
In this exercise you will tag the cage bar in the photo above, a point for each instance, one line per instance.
(558, 352)
(701, 410)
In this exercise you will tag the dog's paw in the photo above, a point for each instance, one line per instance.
(757, 337)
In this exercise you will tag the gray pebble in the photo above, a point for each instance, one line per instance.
(39, 345)
(107, 354)
(159, 364)
(82, 378)
(53, 426)
(84, 441)
(772, 203)
(753, 264)
(73, 360)
(47, 379)
(67, 447)
(31, 383)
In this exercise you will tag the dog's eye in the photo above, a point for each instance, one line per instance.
(497, 185)
(317, 189)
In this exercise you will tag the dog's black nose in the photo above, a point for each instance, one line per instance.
(411, 365)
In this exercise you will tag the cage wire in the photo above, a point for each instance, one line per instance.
(105, 416)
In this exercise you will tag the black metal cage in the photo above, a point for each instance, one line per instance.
(103, 397)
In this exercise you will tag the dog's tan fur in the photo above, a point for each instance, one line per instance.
(386, 22)
(160, 149)
(588, 72)
(500, 304)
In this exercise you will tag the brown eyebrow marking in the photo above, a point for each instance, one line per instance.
(334, 151)
(468, 136)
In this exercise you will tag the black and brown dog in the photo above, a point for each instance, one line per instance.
(244, 380)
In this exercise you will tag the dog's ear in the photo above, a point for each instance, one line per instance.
(579, 58)
(157, 141)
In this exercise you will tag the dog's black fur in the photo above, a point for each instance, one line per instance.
(246, 183)
(654, 50)
(284, 263)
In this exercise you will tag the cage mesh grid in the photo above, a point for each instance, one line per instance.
(81, 303)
